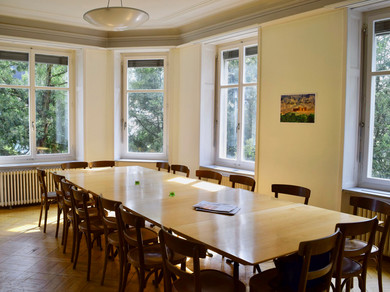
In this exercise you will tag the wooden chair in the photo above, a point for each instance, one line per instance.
(250, 182)
(69, 220)
(243, 180)
(199, 280)
(347, 268)
(144, 256)
(209, 174)
(291, 190)
(47, 198)
(163, 165)
(77, 164)
(102, 163)
(180, 168)
(108, 209)
(310, 269)
(62, 209)
(376, 254)
(86, 224)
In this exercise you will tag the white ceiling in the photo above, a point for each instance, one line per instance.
(163, 13)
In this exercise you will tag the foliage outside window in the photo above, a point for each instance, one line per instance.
(145, 116)
(34, 105)
(237, 106)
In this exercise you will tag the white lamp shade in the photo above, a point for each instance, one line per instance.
(116, 18)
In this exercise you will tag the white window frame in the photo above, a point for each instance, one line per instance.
(33, 156)
(234, 163)
(124, 154)
(369, 110)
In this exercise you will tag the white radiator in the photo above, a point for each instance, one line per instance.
(381, 218)
(20, 187)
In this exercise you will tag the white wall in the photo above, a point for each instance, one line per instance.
(305, 55)
(184, 106)
(98, 105)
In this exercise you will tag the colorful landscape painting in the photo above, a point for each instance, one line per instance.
(297, 108)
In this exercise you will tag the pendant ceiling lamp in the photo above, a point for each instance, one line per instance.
(116, 18)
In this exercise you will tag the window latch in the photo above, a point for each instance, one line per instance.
(33, 125)
(124, 125)
(238, 127)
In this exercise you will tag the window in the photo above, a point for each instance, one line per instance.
(34, 105)
(237, 106)
(376, 162)
(144, 110)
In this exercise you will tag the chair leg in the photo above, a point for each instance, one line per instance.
(141, 276)
(256, 268)
(74, 241)
(58, 219)
(65, 235)
(125, 274)
(64, 224)
(89, 246)
(46, 211)
(40, 215)
(121, 262)
(79, 235)
(107, 250)
(379, 271)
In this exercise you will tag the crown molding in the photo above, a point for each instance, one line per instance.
(222, 23)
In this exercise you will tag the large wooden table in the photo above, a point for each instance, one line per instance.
(263, 229)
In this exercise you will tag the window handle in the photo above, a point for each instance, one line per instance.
(33, 125)
(238, 127)
(124, 125)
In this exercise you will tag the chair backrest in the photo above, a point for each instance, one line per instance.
(180, 168)
(291, 190)
(41, 181)
(319, 258)
(126, 220)
(244, 180)
(102, 163)
(209, 174)
(163, 165)
(170, 245)
(107, 211)
(80, 200)
(67, 193)
(58, 188)
(77, 164)
(351, 230)
(377, 206)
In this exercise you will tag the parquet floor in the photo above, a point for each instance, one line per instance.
(33, 261)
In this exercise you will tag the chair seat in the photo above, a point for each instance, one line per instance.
(95, 225)
(51, 195)
(350, 268)
(113, 238)
(211, 280)
(148, 235)
(152, 256)
(264, 281)
(351, 244)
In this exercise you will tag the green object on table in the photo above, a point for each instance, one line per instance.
(137, 182)
(172, 194)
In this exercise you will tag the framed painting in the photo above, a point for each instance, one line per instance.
(297, 108)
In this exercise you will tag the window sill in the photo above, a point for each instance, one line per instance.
(24, 165)
(370, 192)
(229, 170)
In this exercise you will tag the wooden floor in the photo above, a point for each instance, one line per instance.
(33, 261)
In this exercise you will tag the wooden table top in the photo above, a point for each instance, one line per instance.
(263, 229)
